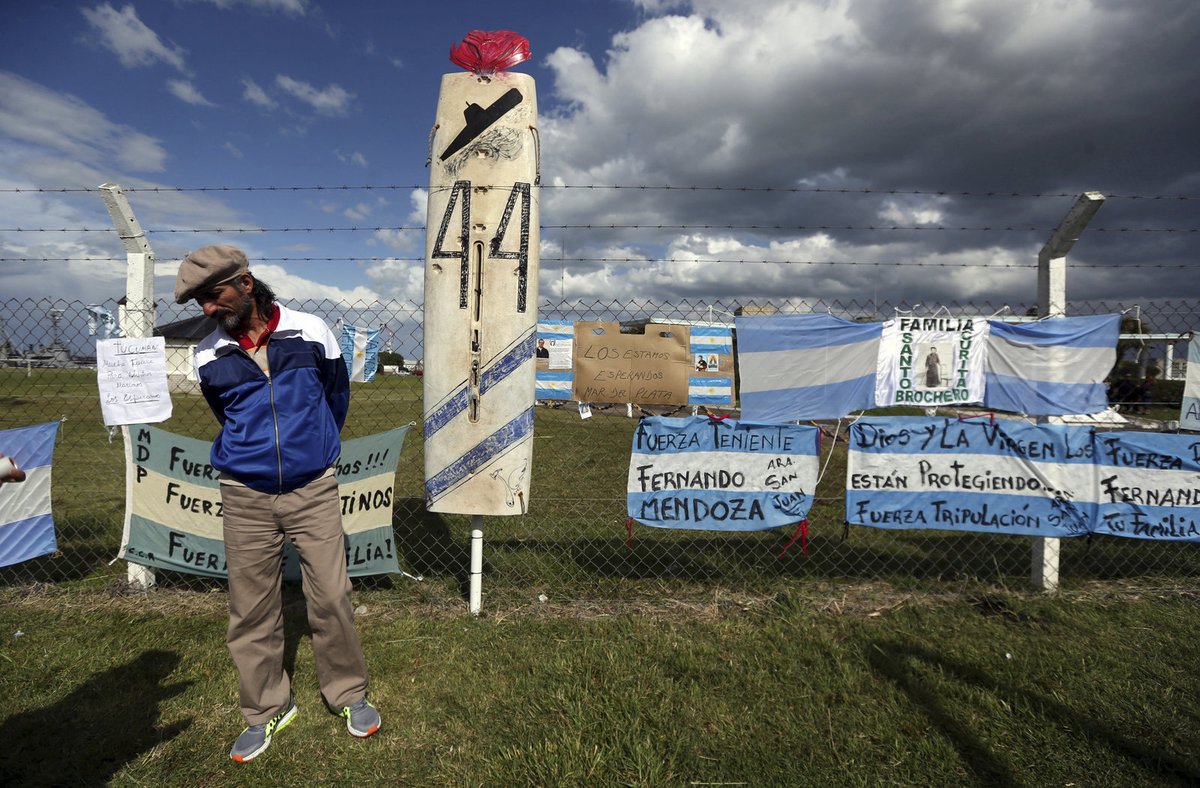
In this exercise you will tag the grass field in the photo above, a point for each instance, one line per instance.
(657, 658)
(862, 686)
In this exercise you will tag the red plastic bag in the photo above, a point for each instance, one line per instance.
(485, 52)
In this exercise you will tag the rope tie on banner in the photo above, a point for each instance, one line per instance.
(717, 416)
(845, 531)
(991, 417)
(801, 534)
(629, 534)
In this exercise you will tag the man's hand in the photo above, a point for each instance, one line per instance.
(9, 472)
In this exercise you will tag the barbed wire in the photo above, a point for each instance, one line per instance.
(803, 227)
(628, 187)
(645, 260)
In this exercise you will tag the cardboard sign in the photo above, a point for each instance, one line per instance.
(650, 368)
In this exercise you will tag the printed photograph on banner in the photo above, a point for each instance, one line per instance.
(559, 352)
(930, 361)
(930, 374)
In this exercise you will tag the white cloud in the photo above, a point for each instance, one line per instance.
(410, 243)
(186, 92)
(290, 287)
(234, 150)
(402, 280)
(254, 93)
(856, 98)
(291, 7)
(129, 39)
(351, 158)
(357, 212)
(62, 123)
(332, 100)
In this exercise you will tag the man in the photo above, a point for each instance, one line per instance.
(276, 381)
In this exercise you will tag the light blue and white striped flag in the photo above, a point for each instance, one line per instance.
(710, 391)
(1149, 486)
(1051, 367)
(711, 339)
(1189, 414)
(796, 367)
(1002, 477)
(360, 349)
(723, 475)
(26, 522)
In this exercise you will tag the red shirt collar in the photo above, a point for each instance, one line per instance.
(245, 341)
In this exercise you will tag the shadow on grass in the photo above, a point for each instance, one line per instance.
(427, 547)
(899, 663)
(91, 734)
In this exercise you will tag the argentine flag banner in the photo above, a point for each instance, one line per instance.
(795, 367)
(711, 339)
(553, 375)
(721, 474)
(360, 350)
(26, 522)
(1149, 485)
(710, 391)
(1050, 367)
(1002, 477)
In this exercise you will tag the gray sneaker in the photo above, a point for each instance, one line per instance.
(362, 720)
(257, 738)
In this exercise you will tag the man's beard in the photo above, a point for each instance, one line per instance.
(234, 320)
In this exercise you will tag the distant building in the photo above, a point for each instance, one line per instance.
(182, 337)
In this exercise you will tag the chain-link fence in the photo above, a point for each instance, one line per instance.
(573, 544)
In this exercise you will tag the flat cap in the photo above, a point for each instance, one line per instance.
(207, 266)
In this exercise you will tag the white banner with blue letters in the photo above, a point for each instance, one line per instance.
(721, 474)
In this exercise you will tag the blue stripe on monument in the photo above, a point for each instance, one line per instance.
(481, 453)
(445, 414)
(520, 353)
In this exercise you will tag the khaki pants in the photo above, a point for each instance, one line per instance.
(255, 525)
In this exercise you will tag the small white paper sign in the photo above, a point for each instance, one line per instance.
(132, 374)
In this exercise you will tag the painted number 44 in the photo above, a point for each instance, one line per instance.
(460, 204)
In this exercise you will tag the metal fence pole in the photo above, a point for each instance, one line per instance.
(137, 319)
(1052, 302)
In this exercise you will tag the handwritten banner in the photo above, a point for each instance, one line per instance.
(721, 475)
(1149, 485)
(1018, 478)
(132, 376)
(1005, 477)
(173, 503)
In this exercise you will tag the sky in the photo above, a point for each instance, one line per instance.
(840, 151)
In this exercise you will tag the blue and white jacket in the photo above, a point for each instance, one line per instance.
(278, 433)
